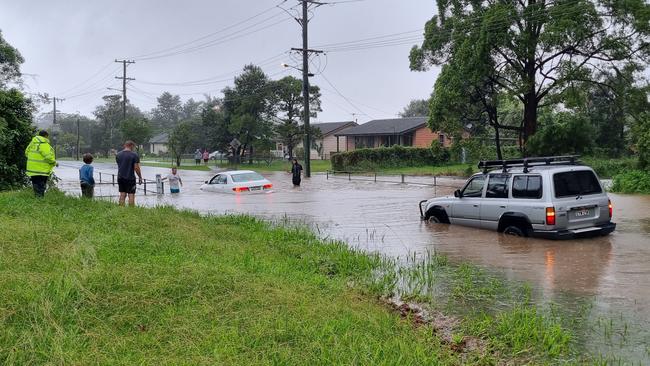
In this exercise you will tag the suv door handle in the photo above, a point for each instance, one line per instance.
(503, 206)
(475, 205)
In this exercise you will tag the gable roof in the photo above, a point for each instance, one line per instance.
(329, 128)
(394, 126)
(161, 138)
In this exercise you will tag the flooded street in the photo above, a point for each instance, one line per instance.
(608, 276)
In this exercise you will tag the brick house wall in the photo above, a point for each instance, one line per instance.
(424, 137)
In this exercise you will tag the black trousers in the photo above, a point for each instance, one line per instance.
(39, 183)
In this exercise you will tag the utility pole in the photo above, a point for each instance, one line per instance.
(124, 80)
(54, 100)
(78, 137)
(304, 22)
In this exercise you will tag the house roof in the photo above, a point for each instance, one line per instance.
(394, 126)
(328, 128)
(162, 138)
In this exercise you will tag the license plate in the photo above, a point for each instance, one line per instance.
(256, 188)
(582, 213)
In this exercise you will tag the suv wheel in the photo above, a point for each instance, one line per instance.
(434, 219)
(514, 231)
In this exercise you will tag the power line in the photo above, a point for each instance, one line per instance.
(139, 57)
(343, 96)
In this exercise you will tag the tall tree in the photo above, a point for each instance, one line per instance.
(184, 137)
(15, 133)
(288, 107)
(10, 61)
(137, 129)
(248, 108)
(537, 48)
(109, 118)
(191, 110)
(416, 108)
(168, 112)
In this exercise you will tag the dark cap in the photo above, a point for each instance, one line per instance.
(43, 133)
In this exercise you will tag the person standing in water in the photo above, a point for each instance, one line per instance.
(296, 170)
(175, 181)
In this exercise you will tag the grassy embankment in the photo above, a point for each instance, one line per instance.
(86, 282)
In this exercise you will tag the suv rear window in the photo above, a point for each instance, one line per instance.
(578, 183)
(527, 186)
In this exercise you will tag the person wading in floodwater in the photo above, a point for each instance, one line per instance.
(128, 163)
(296, 169)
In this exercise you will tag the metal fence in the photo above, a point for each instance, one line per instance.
(433, 181)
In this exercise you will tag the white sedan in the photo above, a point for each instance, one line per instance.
(237, 181)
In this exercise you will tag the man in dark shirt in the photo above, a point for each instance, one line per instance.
(128, 164)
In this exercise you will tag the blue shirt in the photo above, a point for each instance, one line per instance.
(86, 174)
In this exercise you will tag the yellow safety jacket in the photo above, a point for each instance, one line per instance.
(40, 157)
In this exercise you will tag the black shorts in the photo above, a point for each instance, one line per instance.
(126, 185)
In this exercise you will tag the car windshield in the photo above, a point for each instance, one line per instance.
(246, 177)
(577, 183)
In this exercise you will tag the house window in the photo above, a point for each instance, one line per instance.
(389, 140)
(407, 139)
(441, 139)
(361, 142)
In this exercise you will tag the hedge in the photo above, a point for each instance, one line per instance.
(388, 157)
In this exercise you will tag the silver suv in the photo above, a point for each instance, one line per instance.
(549, 197)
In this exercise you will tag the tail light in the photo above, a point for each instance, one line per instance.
(550, 216)
(611, 208)
(240, 189)
(268, 186)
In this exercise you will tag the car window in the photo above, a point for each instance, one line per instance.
(474, 187)
(576, 183)
(497, 186)
(219, 179)
(527, 186)
(246, 177)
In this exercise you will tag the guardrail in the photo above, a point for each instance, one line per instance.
(403, 178)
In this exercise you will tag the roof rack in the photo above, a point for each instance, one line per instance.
(528, 162)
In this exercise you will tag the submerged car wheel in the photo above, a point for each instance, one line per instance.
(514, 231)
(434, 219)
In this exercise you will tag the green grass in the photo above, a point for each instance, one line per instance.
(87, 282)
(447, 169)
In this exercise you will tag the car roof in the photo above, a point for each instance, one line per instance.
(238, 172)
(541, 168)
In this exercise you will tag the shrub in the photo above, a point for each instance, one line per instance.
(635, 181)
(608, 168)
(389, 157)
(15, 133)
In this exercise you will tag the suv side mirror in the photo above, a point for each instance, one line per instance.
(458, 194)
(206, 182)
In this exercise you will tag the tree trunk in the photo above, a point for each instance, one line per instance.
(250, 155)
(530, 117)
(497, 140)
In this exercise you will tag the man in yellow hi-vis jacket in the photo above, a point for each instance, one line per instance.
(40, 162)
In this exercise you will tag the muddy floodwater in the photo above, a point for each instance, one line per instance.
(606, 277)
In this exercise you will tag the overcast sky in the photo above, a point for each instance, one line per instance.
(70, 47)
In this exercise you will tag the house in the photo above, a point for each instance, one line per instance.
(328, 143)
(159, 144)
(411, 131)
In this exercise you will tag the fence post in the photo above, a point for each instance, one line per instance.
(100, 177)
(435, 181)
(328, 175)
(113, 175)
(349, 176)
(375, 177)
(402, 178)
(145, 186)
